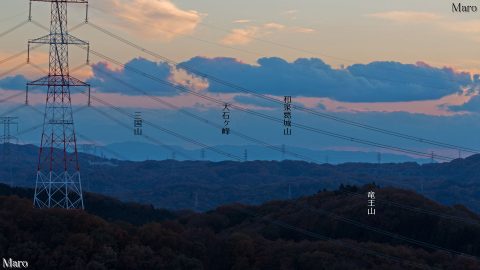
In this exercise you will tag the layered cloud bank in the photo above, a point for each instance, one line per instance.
(374, 82)
(307, 79)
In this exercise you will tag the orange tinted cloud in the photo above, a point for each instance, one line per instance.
(406, 16)
(152, 18)
(243, 36)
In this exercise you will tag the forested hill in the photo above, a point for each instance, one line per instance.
(329, 230)
(203, 185)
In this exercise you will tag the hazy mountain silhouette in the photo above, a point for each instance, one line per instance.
(205, 185)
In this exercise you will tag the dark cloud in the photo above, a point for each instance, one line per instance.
(374, 82)
(102, 78)
(17, 82)
(473, 105)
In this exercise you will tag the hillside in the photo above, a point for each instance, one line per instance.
(277, 235)
(204, 185)
(140, 151)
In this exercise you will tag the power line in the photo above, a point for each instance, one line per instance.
(144, 135)
(318, 53)
(396, 236)
(387, 233)
(6, 32)
(10, 97)
(206, 121)
(297, 107)
(305, 127)
(418, 210)
(334, 241)
(168, 131)
(13, 16)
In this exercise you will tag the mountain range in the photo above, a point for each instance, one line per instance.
(205, 185)
(140, 151)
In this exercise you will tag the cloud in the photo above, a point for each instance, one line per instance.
(303, 30)
(473, 105)
(451, 24)
(468, 27)
(291, 14)
(102, 80)
(17, 82)
(406, 16)
(183, 78)
(242, 21)
(152, 18)
(243, 36)
(291, 11)
(373, 82)
(308, 80)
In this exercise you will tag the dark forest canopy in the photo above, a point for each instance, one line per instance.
(115, 235)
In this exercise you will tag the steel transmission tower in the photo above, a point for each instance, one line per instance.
(5, 140)
(7, 122)
(58, 183)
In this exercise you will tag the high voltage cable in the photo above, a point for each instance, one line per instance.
(300, 108)
(387, 233)
(173, 133)
(13, 16)
(165, 130)
(292, 153)
(396, 236)
(419, 210)
(335, 241)
(11, 97)
(184, 89)
(12, 110)
(320, 54)
(340, 242)
(103, 147)
(79, 135)
(96, 99)
(146, 136)
(338, 217)
(208, 122)
(305, 127)
(17, 67)
(6, 32)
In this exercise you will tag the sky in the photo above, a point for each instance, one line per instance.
(406, 66)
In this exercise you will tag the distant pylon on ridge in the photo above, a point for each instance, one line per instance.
(58, 182)
(6, 139)
(7, 122)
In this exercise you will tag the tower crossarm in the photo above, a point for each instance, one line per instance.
(57, 38)
(58, 182)
(58, 80)
(62, 1)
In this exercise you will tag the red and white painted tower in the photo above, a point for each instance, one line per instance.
(58, 183)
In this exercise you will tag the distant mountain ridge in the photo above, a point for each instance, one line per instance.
(204, 185)
(139, 151)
